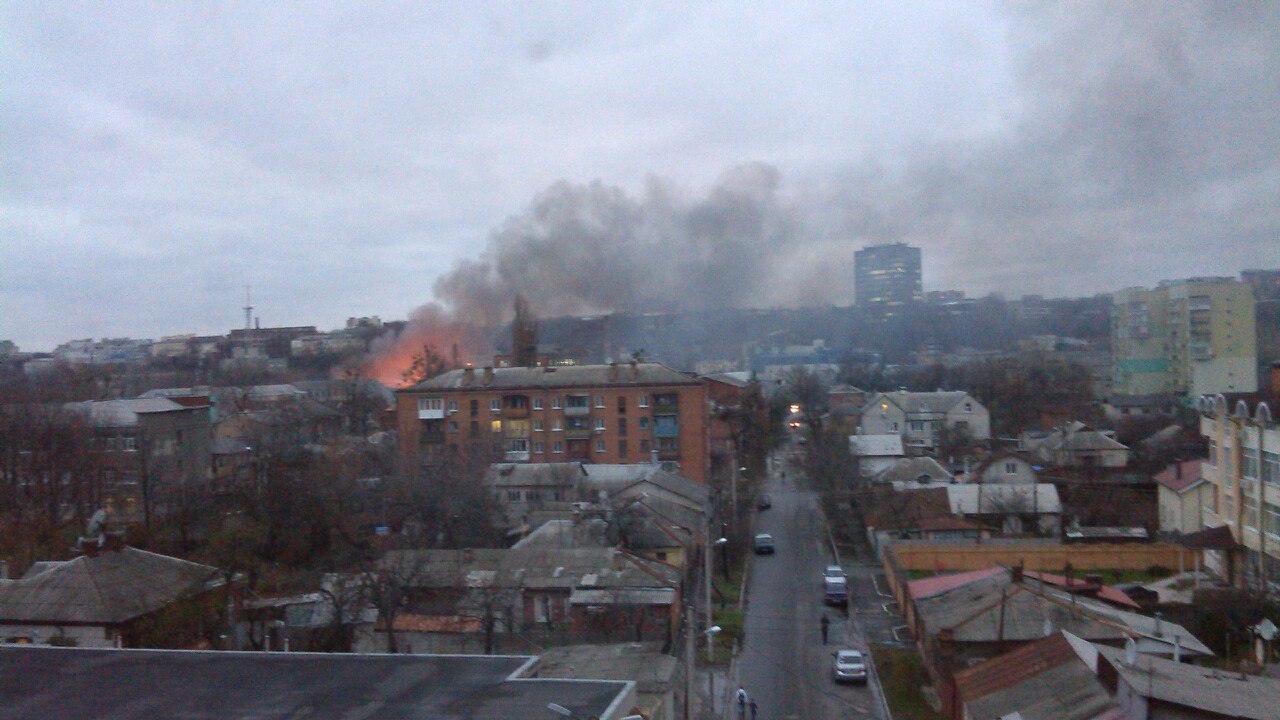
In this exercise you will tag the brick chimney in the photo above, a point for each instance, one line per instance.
(613, 372)
(488, 375)
(468, 376)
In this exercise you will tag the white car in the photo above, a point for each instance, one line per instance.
(849, 666)
(833, 571)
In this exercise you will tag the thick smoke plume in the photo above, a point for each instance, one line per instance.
(1142, 145)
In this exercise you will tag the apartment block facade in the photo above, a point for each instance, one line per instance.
(617, 413)
(1189, 337)
(1243, 469)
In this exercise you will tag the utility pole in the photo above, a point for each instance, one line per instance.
(688, 658)
(706, 582)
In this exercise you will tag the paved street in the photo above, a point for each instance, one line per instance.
(784, 665)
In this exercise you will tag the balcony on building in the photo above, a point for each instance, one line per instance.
(666, 403)
(669, 454)
(577, 405)
(430, 408)
(666, 426)
(515, 406)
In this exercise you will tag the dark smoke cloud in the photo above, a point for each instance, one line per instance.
(1144, 146)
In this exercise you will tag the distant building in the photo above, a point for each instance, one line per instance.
(1265, 283)
(1187, 337)
(1075, 444)
(616, 413)
(106, 350)
(887, 278)
(1184, 495)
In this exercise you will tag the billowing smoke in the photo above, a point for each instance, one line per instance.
(1141, 146)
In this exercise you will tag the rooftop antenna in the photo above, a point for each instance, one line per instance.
(248, 311)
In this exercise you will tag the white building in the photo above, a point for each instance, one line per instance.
(919, 417)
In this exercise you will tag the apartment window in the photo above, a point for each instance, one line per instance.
(599, 424)
(576, 402)
(555, 402)
(129, 443)
(1250, 463)
(1011, 468)
(1271, 467)
(557, 447)
(622, 448)
(1250, 505)
(643, 401)
(599, 446)
(537, 403)
(495, 405)
(1271, 519)
(453, 426)
(537, 426)
(513, 495)
(556, 425)
(538, 447)
(644, 447)
(893, 427)
(453, 406)
(644, 422)
(600, 401)
(430, 403)
(495, 426)
(622, 403)
(622, 427)
(475, 407)
(968, 407)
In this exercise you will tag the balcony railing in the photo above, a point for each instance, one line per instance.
(577, 411)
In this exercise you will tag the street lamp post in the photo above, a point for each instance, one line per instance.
(711, 633)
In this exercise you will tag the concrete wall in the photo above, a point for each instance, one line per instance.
(86, 636)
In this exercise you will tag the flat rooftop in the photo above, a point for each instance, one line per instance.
(54, 683)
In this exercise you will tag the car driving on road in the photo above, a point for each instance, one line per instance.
(849, 666)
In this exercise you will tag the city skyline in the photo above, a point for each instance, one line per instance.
(360, 162)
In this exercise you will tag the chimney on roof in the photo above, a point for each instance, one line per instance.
(488, 374)
(613, 372)
(468, 375)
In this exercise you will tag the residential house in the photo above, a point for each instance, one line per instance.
(1151, 406)
(983, 614)
(912, 473)
(730, 396)
(1155, 688)
(1183, 496)
(114, 595)
(1243, 469)
(922, 417)
(924, 514)
(875, 453)
(64, 683)
(550, 596)
(1075, 444)
(616, 413)
(1043, 680)
(1009, 509)
(1004, 468)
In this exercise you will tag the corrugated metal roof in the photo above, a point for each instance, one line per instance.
(876, 445)
(1228, 694)
(1043, 680)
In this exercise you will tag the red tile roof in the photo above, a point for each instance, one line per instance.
(1014, 667)
(1115, 596)
(1180, 475)
(927, 587)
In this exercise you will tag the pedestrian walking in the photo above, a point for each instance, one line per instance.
(825, 624)
(753, 709)
(742, 703)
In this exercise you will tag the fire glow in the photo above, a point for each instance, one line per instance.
(429, 326)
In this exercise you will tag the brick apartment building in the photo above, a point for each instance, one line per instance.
(616, 413)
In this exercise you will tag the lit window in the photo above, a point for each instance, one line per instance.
(496, 426)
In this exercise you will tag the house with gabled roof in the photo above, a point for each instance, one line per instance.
(114, 595)
(919, 417)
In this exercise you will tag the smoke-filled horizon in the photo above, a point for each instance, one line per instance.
(348, 161)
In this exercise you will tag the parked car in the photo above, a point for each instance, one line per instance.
(849, 666)
(764, 502)
(833, 571)
(835, 591)
(763, 544)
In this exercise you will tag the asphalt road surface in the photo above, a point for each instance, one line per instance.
(783, 664)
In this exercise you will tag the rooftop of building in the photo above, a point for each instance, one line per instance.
(1042, 680)
(65, 683)
(876, 445)
(937, 402)
(1233, 695)
(109, 586)
(528, 567)
(645, 663)
(572, 376)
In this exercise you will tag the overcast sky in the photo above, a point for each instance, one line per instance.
(341, 158)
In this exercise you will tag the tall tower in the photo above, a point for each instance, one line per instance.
(887, 278)
(248, 311)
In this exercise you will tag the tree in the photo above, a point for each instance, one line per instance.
(424, 365)
(524, 335)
